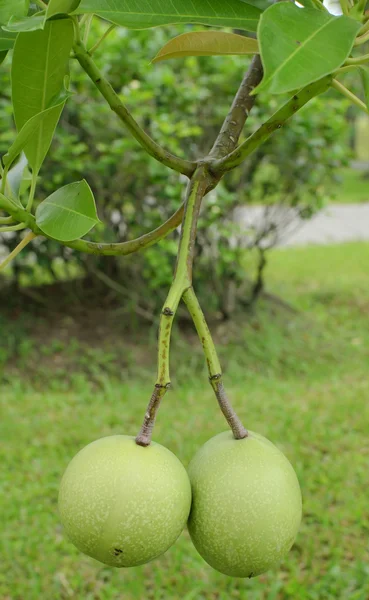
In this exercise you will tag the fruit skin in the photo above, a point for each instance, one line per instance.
(123, 504)
(246, 504)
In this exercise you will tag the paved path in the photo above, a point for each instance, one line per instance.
(336, 223)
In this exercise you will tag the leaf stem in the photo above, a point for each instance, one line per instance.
(361, 39)
(346, 92)
(17, 227)
(32, 192)
(364, 28)
(357, 60)
(86, 32)
(212, 361)
(275, 122)
(160, 154)
(4, 176)
(182, 280)
(100, 41)
(26, 240)
(6, 220)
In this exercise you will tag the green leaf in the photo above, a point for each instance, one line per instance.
(33, 127)
(61, 7)
(19, 177)
(69, 213)
(6, 40)
(24, 24)
(301, 45)
(3, 54)
(364, 72)
(207, 43)
(12, 8)
(142, 14)
(40, 62)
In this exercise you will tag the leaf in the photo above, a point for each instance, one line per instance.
(6, 40)
(61, 7)
(3, 54)
(12, 8)
(40, 62)
(23, 24)
(19, 177)
(31, 127)
(301, 45)
(69, 213)
(364, 72)
(207, 43)
(142, 14)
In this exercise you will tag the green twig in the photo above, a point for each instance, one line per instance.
(32, 192)
(17, 227)
(4, 176)
(166, 158)
(345, 92)
(6, 220)
(361, 39)
(115, 249)
(182, 280)
(100, 41)
(26, 240)
(358, 60)
(364, 28)
(212, 361)
(275, 122)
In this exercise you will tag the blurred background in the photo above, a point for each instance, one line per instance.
(282, 270)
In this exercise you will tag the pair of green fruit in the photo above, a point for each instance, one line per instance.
(125, 505)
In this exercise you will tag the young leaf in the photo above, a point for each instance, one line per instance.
(40, 62)
(143, 14)
(364, 72)
(301, 45)
(61, 7)
(6, 40)
(19, 177)
(26, 23)
(32, 127)
(207, 43)
(69, 213)
(12, 8)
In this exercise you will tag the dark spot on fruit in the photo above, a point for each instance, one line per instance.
(117, 551)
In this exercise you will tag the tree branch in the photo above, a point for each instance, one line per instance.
(242, 104)
(235, 158)
(115, 249)
(160, 154)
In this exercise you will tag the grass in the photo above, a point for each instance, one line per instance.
(354, 187)
(301, 379)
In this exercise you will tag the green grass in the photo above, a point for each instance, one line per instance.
(301, 379)
(354, 187)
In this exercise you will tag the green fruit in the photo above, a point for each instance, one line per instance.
(246, 506)
(124, 504)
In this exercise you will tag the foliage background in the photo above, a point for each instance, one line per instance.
(182, 104)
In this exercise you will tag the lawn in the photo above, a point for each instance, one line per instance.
(354, 187)
(299, 377)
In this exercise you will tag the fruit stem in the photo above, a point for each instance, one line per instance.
(144, 437)
(212, 361)
(197, 188)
